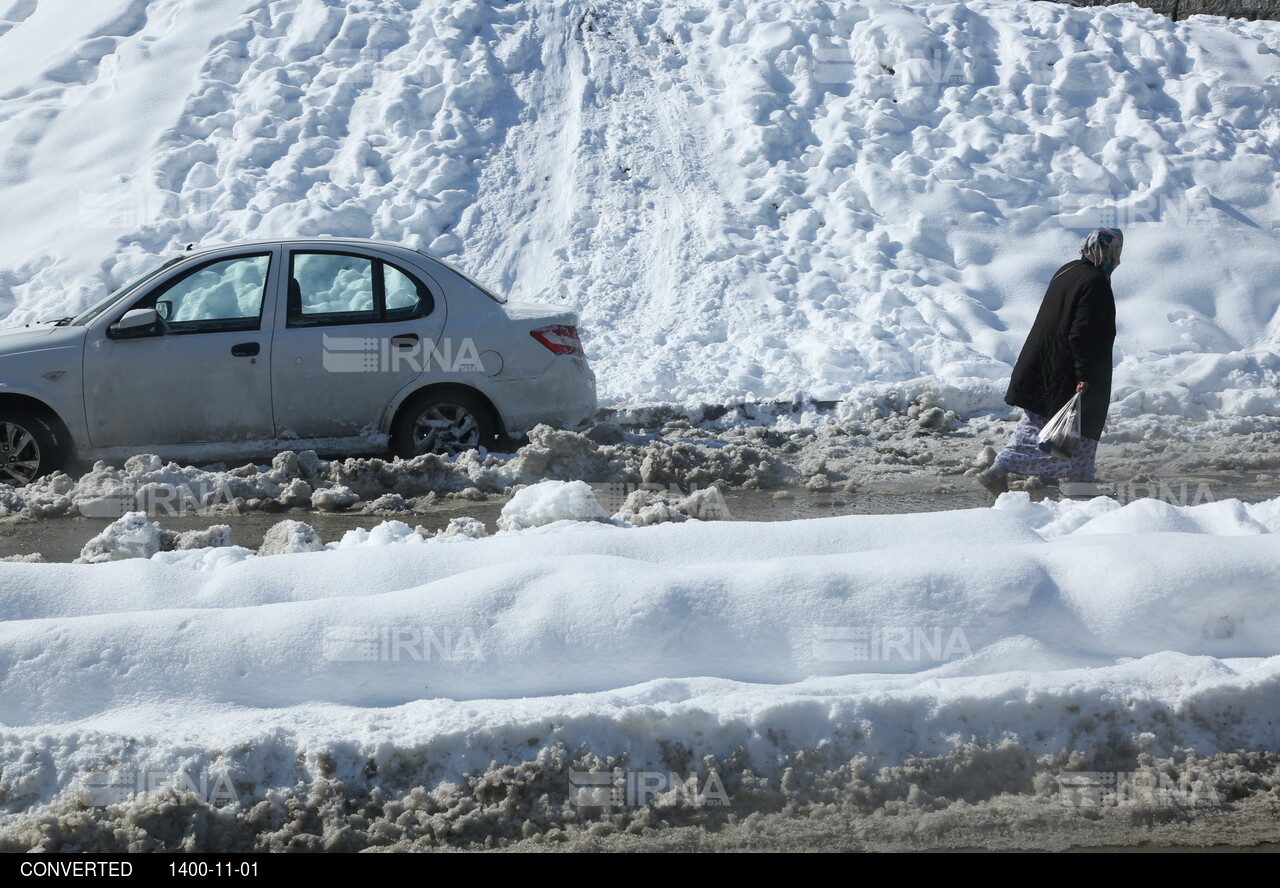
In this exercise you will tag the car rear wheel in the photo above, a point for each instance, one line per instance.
(28, 447)
(446, 423)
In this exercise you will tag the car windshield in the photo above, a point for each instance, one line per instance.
(122, 292)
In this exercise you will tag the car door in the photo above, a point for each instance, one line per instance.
(202, 375)
(357, 327)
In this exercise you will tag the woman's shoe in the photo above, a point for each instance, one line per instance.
(994, 483)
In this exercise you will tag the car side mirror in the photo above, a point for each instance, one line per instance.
(164, 308)
(136, 323)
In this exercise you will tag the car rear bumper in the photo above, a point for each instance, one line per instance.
(563, 397)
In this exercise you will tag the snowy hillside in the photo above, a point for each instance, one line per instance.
(746, 200)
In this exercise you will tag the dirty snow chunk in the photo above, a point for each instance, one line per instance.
(133, 536)
(818, 483)
(387, 504)
(644, 508)
(34, 558)
(290, 537)
(551, 501)
(334, 499)
(216, 537)
(467, 528)
(706, 505)
(296, 495)
(558, 453)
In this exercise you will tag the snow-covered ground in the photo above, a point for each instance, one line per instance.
(744, 200)
(311, 699)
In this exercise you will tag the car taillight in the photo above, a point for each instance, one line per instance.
(560, 338)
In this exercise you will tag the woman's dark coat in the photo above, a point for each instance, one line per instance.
(1069, 342)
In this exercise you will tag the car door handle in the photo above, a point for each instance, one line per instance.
(246, 349)
(405, 340)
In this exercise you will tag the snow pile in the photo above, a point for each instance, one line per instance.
(303, 480)
(551, 501)
(135, 536)
(289, 538)
(385, 534)
(32, 558)
(1103, 515)
(464, 528)
(669, 456)
(745, 201)
(334, 499)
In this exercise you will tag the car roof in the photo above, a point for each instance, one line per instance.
(198, 250)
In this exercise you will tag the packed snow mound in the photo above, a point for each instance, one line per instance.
(290, 538)
(583, 607)
(135, 535)
(746, 200)
(1102, 514)
(549, 501)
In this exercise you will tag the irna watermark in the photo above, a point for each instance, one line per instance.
(395, 644)
(158, 500)
(117, 788)
(620, 788)
(398, 354)
(883, 644)
(1141, 788)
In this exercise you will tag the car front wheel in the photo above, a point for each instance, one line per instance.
(28, 447)
(447, 423)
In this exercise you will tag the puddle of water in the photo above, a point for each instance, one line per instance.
(61, 539)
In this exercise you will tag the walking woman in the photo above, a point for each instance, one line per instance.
(1067, 351)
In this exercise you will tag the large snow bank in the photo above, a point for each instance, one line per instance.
(571, 608)
(745, 200)
(1001, 645)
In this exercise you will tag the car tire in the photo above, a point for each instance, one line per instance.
(447, 422)
(28, 447)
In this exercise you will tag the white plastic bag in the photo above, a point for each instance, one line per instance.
(1061, 435)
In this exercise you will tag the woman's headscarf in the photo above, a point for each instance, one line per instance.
(1102, 247)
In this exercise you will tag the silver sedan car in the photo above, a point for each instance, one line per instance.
(340, 346)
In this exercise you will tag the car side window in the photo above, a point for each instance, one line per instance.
(223, 295)
(328, 288)
(332, 286)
